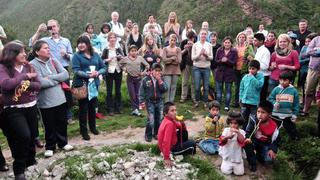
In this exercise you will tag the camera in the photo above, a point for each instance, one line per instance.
(49, 28)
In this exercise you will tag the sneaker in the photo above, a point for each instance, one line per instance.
(227, 109)
(67, 147)
(48, 153)
(86, 137)
(196, 104)
(135, 112)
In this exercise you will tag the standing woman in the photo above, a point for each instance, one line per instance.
(111, 56)
(82, 63)
(172, 27)
(241, 47)
(51, 100)
(171, 56)
(201, 56)
(226, 59)
(188, 28)
(135, 38)
(283, 59)
(149, 50)
(94, 39)
(105, 29)
(271, 41)
(19, 88)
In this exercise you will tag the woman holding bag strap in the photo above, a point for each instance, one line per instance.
(51, 101)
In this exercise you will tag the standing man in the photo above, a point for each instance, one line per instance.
(3, 36)
(303, 32)
(117, 28)
(60, 50)
(152, 21)
(263, 56)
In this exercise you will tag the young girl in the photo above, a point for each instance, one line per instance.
(132, 65)
(231, 143)
(149, 50)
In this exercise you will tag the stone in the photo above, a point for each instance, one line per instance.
(152, 165)
(102, 154)
(147, 177)
(86, 167)
(57, 170)
(179, 158)
(173, 177)
(129, 171)
(138, 177)
(46, 173)
(128, 165)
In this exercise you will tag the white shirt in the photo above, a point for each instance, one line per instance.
(2, 33)
(113, 64)
(263, 56)
(156, 26)
(231, 151)
(118, 29)
(264, 32)
(199, 60)
(184, 34)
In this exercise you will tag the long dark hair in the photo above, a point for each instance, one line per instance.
(86, 40)
(37, 46)
(9, 53)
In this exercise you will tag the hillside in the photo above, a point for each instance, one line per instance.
(21, 18)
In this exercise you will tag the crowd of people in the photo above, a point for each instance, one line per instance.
(262, 66)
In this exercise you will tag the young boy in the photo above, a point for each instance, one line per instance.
(214, 125)
(231, 142)
(261, 136)
(168, 138)
(151, 93)
(285, 100)
(250, 89)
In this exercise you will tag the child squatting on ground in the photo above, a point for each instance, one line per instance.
(214, 125)
(261, 136)
(168, 139)
(231, 143)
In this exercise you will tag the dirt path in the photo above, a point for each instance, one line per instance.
(126, 136)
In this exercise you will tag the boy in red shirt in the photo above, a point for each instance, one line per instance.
(261, 136)
(167, 135)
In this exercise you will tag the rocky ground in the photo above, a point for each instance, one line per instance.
(91, 159)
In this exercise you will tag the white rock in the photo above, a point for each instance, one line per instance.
(147, 177)
(46, 173)
(179, 158)
(57, 170)
(173, 177)
(138, 177)
(152, 165)
(168, 173)
(102, 154)
(86, 167)
(128, 165)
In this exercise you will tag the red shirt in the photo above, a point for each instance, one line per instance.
(266, 130)
(167, 136)
(291, 60)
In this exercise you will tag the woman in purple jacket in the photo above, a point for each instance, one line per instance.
(226, 58)
(19, 87)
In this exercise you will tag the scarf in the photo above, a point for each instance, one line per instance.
(283, 52)
(270, 43)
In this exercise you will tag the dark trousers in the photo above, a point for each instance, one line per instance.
(2, 159)
(289, 126)
(237, 84)
(87, 113)
(257, 150)
(19, 127)
(154, 110)
(319, 123)
(133, 84)
(187, 147)
(113, 104)
(264, 91)
(55, 124)
(68, 94)
(246, 111)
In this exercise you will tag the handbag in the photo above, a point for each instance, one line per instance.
(64, 85)
(80, 92)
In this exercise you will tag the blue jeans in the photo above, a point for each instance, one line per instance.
(198, 75)
(209, 146)
(246, 111)
(272, 84)
(154, 110)
(261, 153)
(219, 89)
